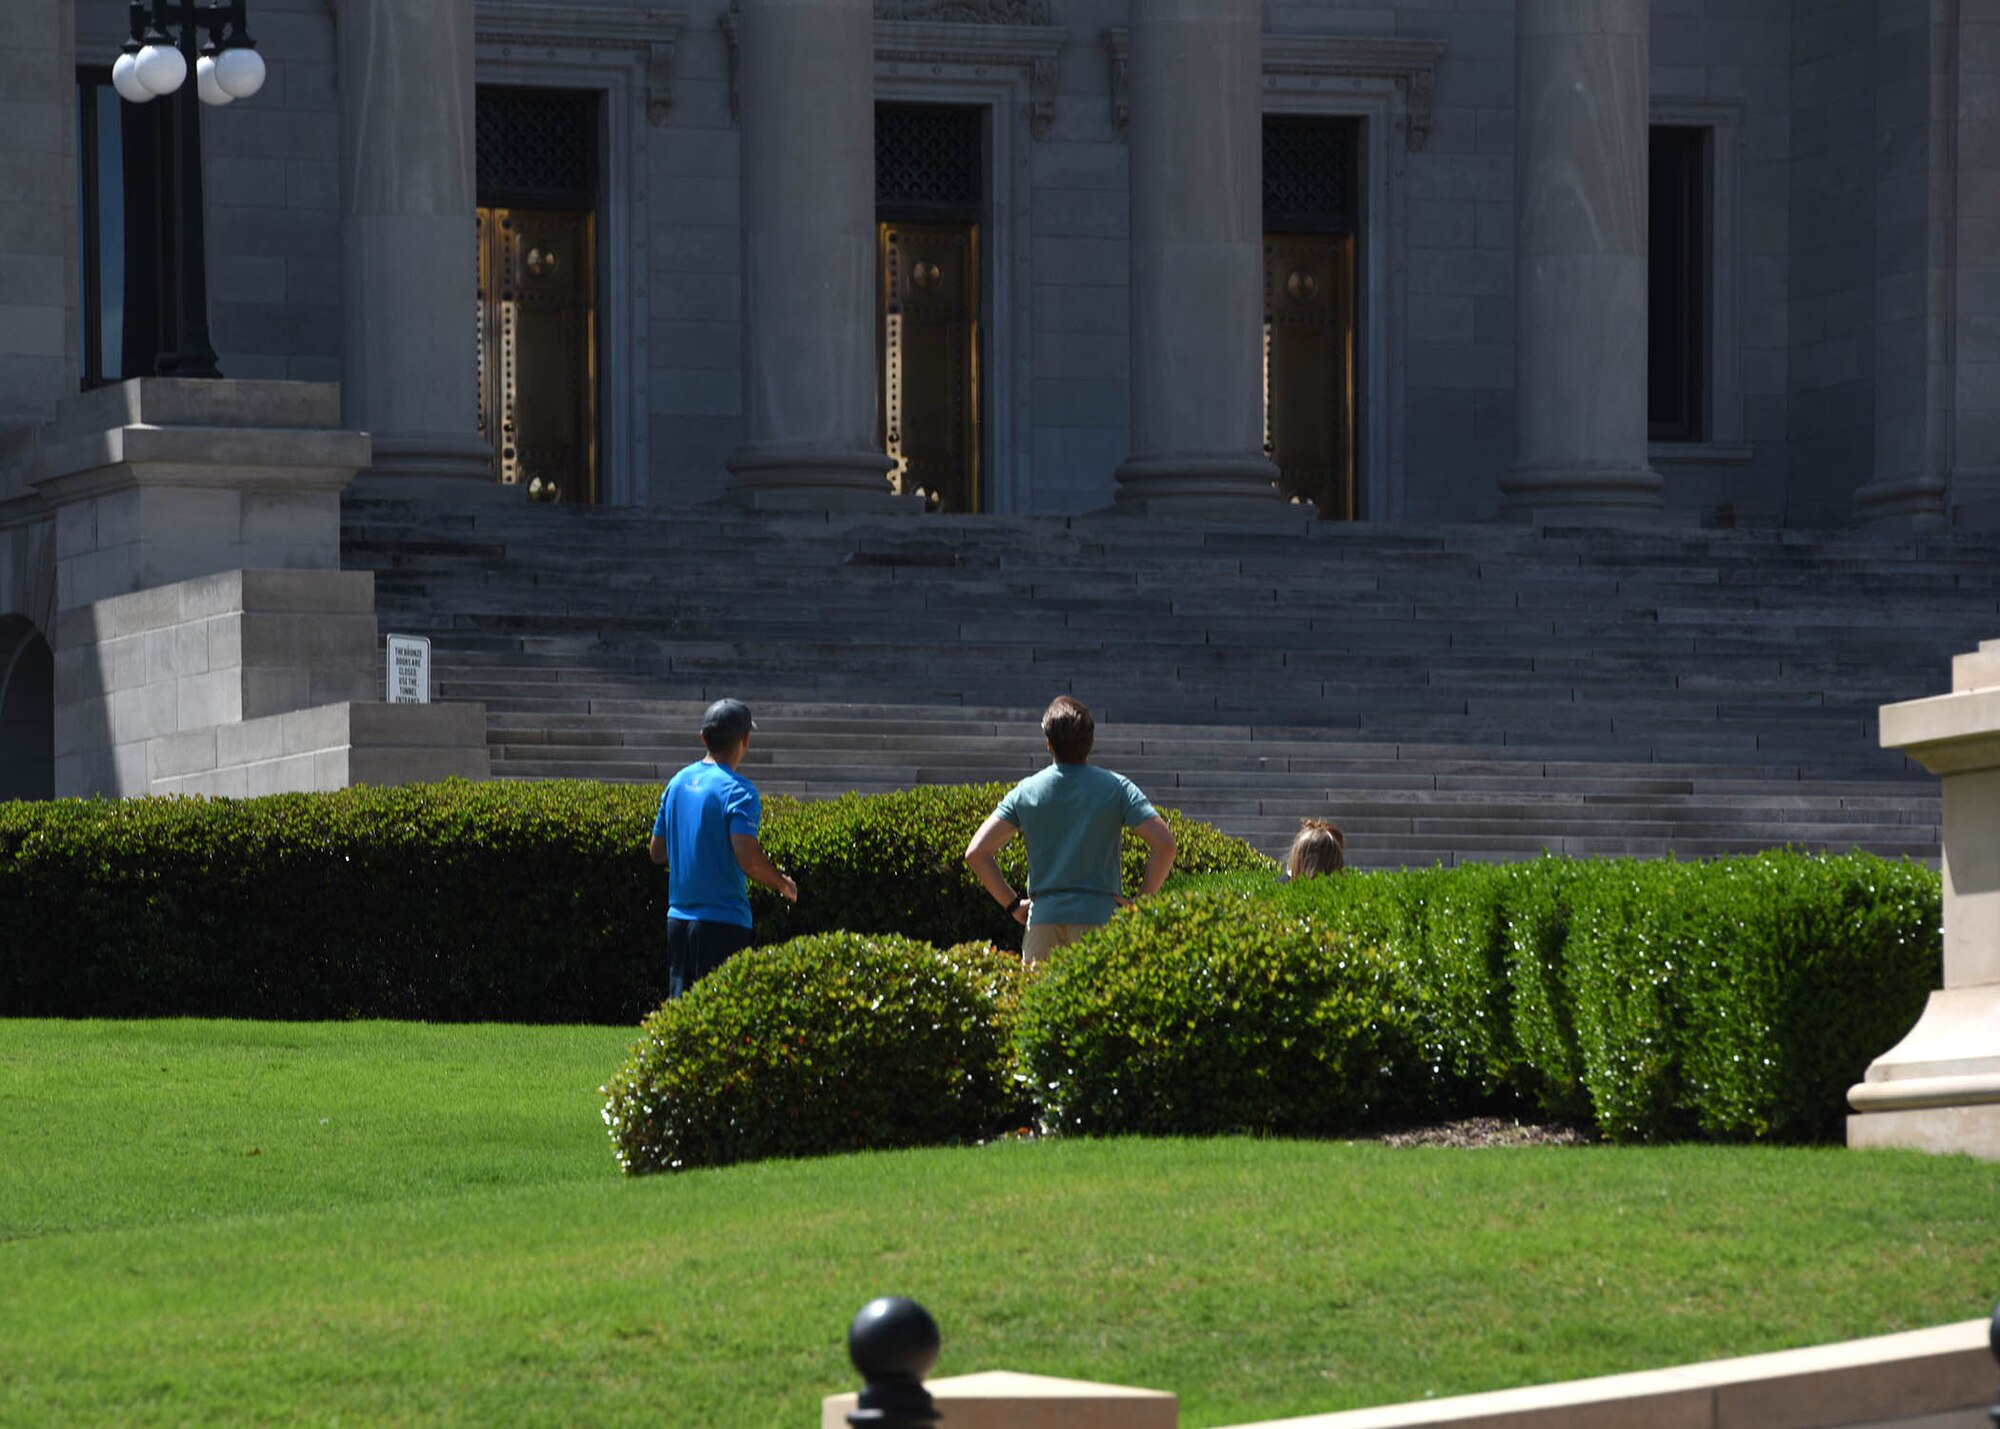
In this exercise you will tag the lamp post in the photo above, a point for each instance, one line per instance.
(164, 48)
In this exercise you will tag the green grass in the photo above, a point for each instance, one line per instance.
(364, 1223)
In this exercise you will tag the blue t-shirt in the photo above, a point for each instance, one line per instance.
(1074, 817)
(701, 807)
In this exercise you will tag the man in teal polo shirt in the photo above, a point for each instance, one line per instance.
(1074, 816)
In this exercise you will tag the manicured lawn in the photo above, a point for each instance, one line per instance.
(372, 1223)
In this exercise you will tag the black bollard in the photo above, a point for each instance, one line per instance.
(894, 1343)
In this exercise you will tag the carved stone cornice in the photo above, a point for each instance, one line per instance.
(952, 48)
(558, 30)
(1303, 63)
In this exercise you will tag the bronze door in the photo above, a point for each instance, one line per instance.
(928, 373)
(538, 350)
(1309, 368)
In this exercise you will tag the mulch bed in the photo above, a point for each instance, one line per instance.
(1490, 1131)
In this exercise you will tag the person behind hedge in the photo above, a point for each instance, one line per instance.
(706, 836)
(1073, 816)
(1319, 848)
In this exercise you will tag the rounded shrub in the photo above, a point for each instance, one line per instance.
(828, 1043)
(1214, 1012)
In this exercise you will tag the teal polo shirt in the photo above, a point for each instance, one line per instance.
(1073, 817)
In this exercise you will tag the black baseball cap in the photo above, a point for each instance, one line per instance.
(727, 720)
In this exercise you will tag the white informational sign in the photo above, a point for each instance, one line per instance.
(409, 670)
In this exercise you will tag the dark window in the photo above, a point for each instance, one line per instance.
(1309, 174)
(928, 163)
(536, 148)
(120, 149)
(1678, 285)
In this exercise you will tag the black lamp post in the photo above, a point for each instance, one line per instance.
(156, 62)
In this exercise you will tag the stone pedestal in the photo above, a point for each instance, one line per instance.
(808, 166)
(1939, 1088)
(205, 638)
(159, 479)
(1580, 195)
(409, 369)
(1196, 72)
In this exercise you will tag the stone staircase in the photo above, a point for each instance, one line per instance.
(1456, 693)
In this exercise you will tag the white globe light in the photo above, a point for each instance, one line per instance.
(240, 71)
(125, 79)
(161, 68)
(205, 83)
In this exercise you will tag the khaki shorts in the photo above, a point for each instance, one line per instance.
(1041, 939)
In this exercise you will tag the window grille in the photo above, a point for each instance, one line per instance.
(536, 148)
(1309, 165)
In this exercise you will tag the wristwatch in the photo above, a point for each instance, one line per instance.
(1019, 899)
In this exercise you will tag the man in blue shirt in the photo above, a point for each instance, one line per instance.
(706, 835)
(1074, 816)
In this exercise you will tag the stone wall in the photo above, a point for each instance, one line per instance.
(136, 672)
(38, 343)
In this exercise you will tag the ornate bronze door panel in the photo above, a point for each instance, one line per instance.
(929, 371)
(538, 350)
(1309, 368)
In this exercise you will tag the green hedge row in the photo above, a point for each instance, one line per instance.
(496, 901)
(1734, 998)
(1730, 1000)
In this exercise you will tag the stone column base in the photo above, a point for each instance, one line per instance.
(814, 479)
(1939, 1088)
(432, 455)
(1905, 504)
(1567, 496)
(1968, 1130)
(1200, 486)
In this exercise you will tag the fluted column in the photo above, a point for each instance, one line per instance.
(409, 365)
(1580, 188)
(1196, 70)
(808, 165)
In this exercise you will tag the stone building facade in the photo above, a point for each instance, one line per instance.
(1137, 203)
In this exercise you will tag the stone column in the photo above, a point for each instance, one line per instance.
(1939, 1088)
(1197, 143)
(808, 166)
(409, 367)
(1580, 186)
(1915, 239)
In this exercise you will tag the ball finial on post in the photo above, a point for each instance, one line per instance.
(893, 1343)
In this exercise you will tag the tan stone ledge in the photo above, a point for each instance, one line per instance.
(1003, 1399)
(1947, 734)
(1945, 1372)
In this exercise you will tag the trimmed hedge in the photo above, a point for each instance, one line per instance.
(1215, 1012)
(828, 1043)
(1736, 999)
(526, 902)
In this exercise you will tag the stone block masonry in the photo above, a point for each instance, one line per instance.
(242, 683)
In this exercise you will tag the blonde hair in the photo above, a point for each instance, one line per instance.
(1319, 848)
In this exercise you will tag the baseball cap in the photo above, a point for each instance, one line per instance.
(727, 719)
